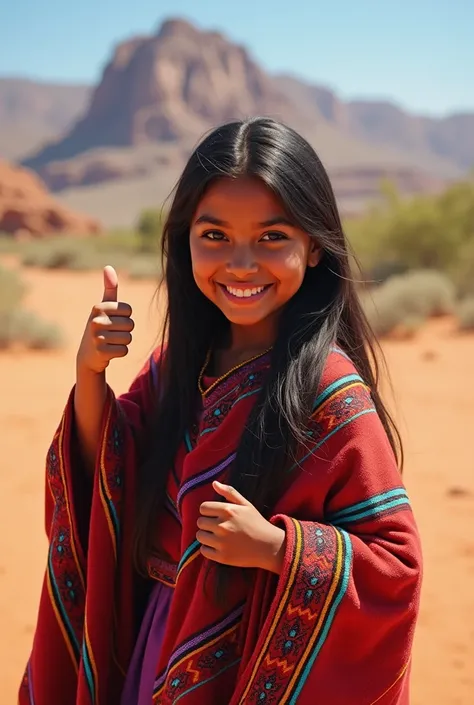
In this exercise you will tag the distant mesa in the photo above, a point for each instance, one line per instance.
(159, 94)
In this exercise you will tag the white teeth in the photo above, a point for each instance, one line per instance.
(244, 293)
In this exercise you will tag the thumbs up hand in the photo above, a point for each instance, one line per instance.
(108, 330)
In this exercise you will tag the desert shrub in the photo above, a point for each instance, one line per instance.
(81, 255)
(465, 314)
(462, 271)
(149, 229)
(403, 303)
(387, 317)
(29, 330)
(424, 232)
(9, 244)
(142, 267)
(55, 254)
(12, 290)
(18, 326)
(425, 293)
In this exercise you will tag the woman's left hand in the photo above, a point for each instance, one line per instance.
(235, 533)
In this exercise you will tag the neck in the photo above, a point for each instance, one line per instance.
(256, 338)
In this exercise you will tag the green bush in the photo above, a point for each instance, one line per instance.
(142, 267)
(462, 271)
(465, 315)
(424, 232)
(150, 229)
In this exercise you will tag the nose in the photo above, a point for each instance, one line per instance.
(242, 263)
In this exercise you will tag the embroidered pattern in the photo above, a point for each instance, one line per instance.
(380, 504)
(64, 575)
(338, 405)
(111, 477)
(200, 659)
(316, 582)
(246, 382)
(65, 579)
(163, 571)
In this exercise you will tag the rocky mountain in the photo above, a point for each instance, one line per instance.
(384, 123)
(159, 94)
(33, 113)
(27, 208)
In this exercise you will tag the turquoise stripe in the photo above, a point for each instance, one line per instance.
(88, 671)
(330, 618)
(333, 387)
(62, 609)
(189, 551)
(187, 440)
(340, 351)
(115, 520)
(374, 511)
(334, 431)
(190, 690)
(376, 499)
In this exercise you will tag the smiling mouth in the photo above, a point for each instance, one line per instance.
(244, 295)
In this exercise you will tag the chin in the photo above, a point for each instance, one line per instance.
(242, 319)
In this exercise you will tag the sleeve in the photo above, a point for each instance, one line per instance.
(85, 626)
(342, 618)
(64, 471)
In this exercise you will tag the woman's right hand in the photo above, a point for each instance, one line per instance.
(108, 330)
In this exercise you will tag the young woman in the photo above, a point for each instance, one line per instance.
(234, 529)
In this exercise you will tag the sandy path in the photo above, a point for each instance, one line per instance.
(435, 400)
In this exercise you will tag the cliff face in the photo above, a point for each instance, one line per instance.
(168, 88)
(26, 207)
(159, 94)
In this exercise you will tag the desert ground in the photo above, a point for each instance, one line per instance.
(433, 380)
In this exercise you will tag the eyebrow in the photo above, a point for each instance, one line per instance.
(212, 220)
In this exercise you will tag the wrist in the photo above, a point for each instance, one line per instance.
(275, 555)
(85, 372)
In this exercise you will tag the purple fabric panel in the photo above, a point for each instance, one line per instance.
(138, 689)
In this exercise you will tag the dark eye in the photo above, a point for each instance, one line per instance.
(215, 235)
(274, 236)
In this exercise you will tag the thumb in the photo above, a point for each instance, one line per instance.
(110, 284)
(230, 494)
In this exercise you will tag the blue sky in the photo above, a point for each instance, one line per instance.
(416, 53)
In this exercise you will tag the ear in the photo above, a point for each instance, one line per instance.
(314, 254)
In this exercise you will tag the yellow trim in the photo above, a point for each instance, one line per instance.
(200, 648)
(321, 408)
(92, 661)
(189, 560)
(290, 582)
(205, 392)
(60, 621)
(398, 678)
(102, 472)
(317, 629)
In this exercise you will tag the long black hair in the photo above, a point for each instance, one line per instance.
(325, 311)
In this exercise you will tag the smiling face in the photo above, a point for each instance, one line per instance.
(248, 258)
